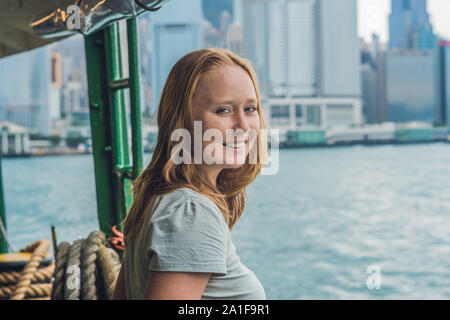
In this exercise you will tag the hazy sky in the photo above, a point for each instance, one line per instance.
(373, 17)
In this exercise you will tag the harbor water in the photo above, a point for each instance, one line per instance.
(315, 230)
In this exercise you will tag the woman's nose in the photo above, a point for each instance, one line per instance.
(241, 121)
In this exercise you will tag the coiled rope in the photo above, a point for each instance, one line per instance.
(62, 255)
(31, 282)
(73, 278)
(41, 275)
(85, 270)
(40, 290)
(109, 263)
(89, 270)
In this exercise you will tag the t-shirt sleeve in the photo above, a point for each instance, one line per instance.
(189, 237)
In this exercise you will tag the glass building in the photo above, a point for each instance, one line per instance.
(444, 78)
(176, 31)
(303, 48)
(306, 56)
(280, 38)
(25, 92)
(409, 25)
(410, 86)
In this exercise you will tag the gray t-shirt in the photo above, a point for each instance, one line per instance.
(186, 232)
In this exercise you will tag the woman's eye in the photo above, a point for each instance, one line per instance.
(251, 109)
(222, 110)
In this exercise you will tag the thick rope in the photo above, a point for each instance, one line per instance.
(116, 259)
(42, 290)
(87, 270)
(41, 275)
(106, 260)
(39, 249)
(88, 265)
(72, 278)
(59, 275)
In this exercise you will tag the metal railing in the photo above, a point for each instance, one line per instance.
(113, 169)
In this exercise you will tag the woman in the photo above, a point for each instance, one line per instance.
(177, 232)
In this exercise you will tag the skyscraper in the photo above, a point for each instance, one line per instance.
(176, 30)
(410, 86)
(55, 86)
(412, 64)
(443, 111)
(235, 39)
(280, 38)
(409, 25)
(237, 12)
(338, 49)
(25, 89)
(306, 55)
(225, 22)
(369, 81)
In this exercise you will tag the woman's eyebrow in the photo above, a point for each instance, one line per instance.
(233, 103)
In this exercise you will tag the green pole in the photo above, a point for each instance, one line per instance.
(113, 171)
(100, 118)
(3, 243)
(119, 125)
(135, 97)
(135, 106)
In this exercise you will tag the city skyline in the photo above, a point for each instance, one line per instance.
(306, 55)
(302, 50)
(373, 16)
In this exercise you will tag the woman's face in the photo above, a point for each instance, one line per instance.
(226, 101)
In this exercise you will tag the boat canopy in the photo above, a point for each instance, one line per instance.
(25, 25)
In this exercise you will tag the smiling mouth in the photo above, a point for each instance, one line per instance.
(237, 145)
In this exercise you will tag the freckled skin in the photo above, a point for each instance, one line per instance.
(226, 99)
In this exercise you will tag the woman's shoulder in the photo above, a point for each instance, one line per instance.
(192, 195)
(182, 197)
(185, 203)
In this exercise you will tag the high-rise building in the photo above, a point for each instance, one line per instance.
(225, 22)
(410, 86)
(145, 40)
(176, 31)
(73, 98)
(412, 65)
(211, 36)
(235, 35)
(55, 86)
(409, 25)
(373, 69)
(237, 12)
(32, 85)
(235, 39)
(369, 92)
(443, 110)
(280, 38)
(339, 49)
(306, 56)
(25, 89)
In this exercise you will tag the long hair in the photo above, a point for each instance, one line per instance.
(175, 112)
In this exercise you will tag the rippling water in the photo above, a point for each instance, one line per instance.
(308, 232)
